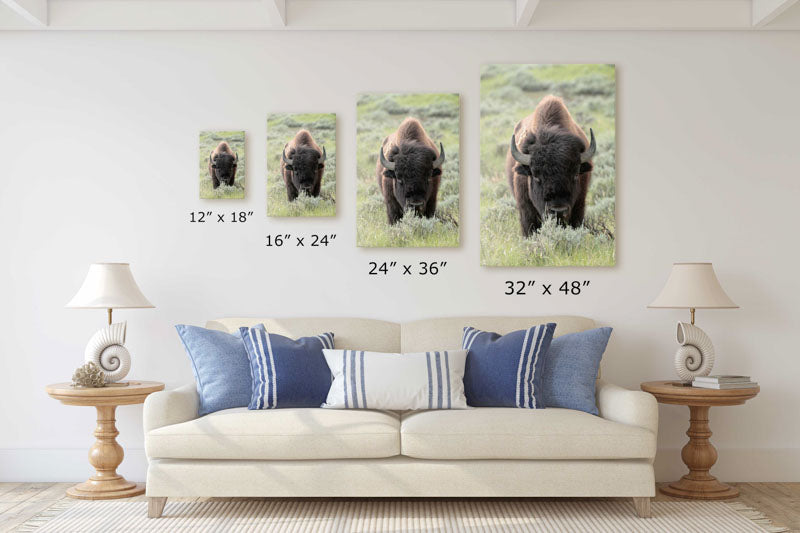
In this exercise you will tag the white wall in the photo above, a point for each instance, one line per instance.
(98, 161)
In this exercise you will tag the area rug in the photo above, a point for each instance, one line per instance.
(313, 516)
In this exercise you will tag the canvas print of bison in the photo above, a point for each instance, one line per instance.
(548, 165)
(301, 164)
(222, 163)
(408, 169)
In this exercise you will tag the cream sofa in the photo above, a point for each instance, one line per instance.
(482, 452)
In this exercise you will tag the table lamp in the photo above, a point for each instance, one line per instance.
(109, 286)
(693, 286)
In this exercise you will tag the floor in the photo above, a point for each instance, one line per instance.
(20, 501)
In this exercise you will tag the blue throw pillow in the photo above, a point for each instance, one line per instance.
(286, 372)
(220, 365)
(570, 369)
(506, 371)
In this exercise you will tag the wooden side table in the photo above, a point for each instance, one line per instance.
(106, 454)
(698, 454)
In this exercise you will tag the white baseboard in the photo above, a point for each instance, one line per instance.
(59, 464)
(737, 464)
(43, 465)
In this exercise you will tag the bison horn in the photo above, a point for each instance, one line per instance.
(324, 156)
(388, 165)
(283, 155)
(525, 159)
(587, 154)
(439, 160)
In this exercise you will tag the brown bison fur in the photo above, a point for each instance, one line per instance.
(557, 174)
(414, 182)
(302, 166)
(222, 165)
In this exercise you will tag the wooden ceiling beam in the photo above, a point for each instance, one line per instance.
(525, 11)
(276, 10)
(766, 11)
(33, 11)
(391, 15)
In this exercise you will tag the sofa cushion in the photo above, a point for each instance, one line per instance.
(506, 370)
(510, 433)
(279, 434)
(570, 370)
(220, 366)
(286, 372)
(447, 333)
(398, 381)
(351, 333)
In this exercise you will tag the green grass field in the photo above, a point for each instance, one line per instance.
(508, 94)
(281, 128)
(208, 141)
(378, 116)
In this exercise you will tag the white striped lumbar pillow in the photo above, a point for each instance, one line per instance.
(396, 381)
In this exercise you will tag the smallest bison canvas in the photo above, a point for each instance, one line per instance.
(222, 164)
(301, 151)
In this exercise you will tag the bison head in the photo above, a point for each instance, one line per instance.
(223, 165)
(304, 165)
(411, 170)
(553, 160)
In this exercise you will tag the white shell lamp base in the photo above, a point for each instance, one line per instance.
(107, 350)
(695, 357)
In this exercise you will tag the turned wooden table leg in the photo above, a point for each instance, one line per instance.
(699, 455)
(105, 456)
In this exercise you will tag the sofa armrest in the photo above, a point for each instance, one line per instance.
(170, 407)
(634, 408)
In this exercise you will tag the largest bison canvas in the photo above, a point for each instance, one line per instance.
(548, 167)
(408, 169)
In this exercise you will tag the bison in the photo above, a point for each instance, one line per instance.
(222, 165)
(409, 171)
(302, 165)
(549, 166)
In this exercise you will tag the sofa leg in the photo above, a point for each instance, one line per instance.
(642, 506)
(155, 506)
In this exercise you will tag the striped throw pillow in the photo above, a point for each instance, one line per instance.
(396, 381)
(286, 372)
(506, 370)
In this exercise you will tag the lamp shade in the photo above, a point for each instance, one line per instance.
(693, 286)
(109, 286)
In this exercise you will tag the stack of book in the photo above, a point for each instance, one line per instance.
(723, 382)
